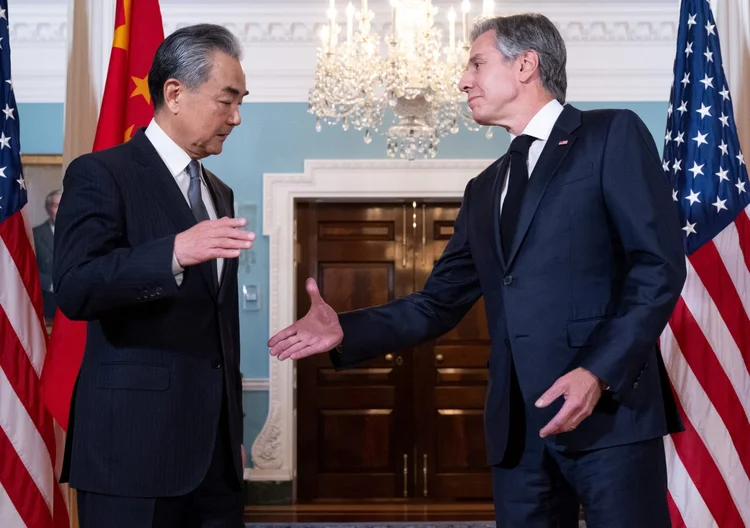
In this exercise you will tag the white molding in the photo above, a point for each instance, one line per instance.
(254, 384)
(274, 450)
(617, 50)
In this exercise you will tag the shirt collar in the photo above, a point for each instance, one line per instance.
(170, 152)
(543, 122)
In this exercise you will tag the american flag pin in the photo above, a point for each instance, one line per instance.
(563, 142)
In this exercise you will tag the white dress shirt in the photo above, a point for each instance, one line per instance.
(177, 161)
(540, 127)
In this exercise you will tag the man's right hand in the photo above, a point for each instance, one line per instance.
(212, 239)
(317, 332)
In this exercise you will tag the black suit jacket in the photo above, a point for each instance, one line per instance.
(594, 271)
(159, 358)
(43, 246)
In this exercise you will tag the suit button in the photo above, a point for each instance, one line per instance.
(216, 364)
(158, 290)
(635, 385)
(507, 281)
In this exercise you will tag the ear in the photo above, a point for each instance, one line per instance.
(172, 91)
(529, 63)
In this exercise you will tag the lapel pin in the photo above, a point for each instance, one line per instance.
(563, 142)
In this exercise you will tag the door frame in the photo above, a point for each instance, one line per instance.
(274, 450)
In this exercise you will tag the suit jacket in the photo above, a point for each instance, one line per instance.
(159, 358)
(43, 245)
(593, 273)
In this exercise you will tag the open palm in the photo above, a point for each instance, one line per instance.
(317, 332)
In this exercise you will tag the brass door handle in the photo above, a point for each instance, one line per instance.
(439, 358)
(406, 475)
(399, 359)
(389, 358)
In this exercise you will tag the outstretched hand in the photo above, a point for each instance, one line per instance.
(317, 332)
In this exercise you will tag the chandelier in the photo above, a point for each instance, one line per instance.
(411, 75)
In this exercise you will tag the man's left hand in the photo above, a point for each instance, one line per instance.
(581, 390)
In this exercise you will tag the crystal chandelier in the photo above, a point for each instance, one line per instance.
(411, 72)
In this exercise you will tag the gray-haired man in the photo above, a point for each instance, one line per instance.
(574, 243)
(146, 251)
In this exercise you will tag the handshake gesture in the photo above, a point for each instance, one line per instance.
(317, 332)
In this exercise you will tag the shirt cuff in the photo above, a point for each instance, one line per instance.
(177, 270)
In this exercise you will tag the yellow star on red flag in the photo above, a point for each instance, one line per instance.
(141, 88)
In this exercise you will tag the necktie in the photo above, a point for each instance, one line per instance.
(519, 178)
(196, 204)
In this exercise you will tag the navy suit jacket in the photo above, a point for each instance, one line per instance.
(43, 245)
(159, 357)
(594, 271)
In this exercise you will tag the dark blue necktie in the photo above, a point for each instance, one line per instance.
(195, 198)
(517, 181)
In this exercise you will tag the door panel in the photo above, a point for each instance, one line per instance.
(352, 425)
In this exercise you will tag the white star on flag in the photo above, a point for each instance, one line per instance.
(689, 49)
(740, 186)
(693, 197)
(683, 107)
(3, 15)
(704, 111)
(10, 82)
(708, 81)
(669, 110)
(680, 138)
(691, 21)
(665, 166)
(741, 157)
(690, 228)
(724, 120)
(2, 172)
(668, 137)
(674, 195)
(709, 55)
(696, 170)
(701, 139)
(719, 204)
(677, 165)
(710, 29)
(21, 183)
(4, 141)
(725, 94)
(722, 174)
(724, 148)
(8, 111)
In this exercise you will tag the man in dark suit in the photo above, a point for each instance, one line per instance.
(574, 242)
(146, 251)
(43, 245)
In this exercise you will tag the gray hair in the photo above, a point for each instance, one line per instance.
(517, 34)
(185, 55)
(48, 198)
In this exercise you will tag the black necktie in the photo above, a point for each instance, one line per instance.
(195, 197)
(519, 178)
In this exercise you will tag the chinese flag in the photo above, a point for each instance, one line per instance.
(126, 106)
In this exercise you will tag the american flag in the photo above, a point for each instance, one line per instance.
(29, 493)
(706, 345)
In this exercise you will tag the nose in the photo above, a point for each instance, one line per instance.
(465, 83)
(235, 118)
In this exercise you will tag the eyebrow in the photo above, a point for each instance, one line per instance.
(476, 57)
(234, 91)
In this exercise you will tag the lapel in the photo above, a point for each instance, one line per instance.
(222, 209)
(552, 156)
(497, 189)
(167, 193)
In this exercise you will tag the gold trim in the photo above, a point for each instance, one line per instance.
(41, 159)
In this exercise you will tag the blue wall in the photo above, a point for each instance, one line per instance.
(278, 137)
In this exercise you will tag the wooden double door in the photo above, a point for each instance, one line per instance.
(409, 424)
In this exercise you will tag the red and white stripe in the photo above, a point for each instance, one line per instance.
(29, 493)
(706, 348)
